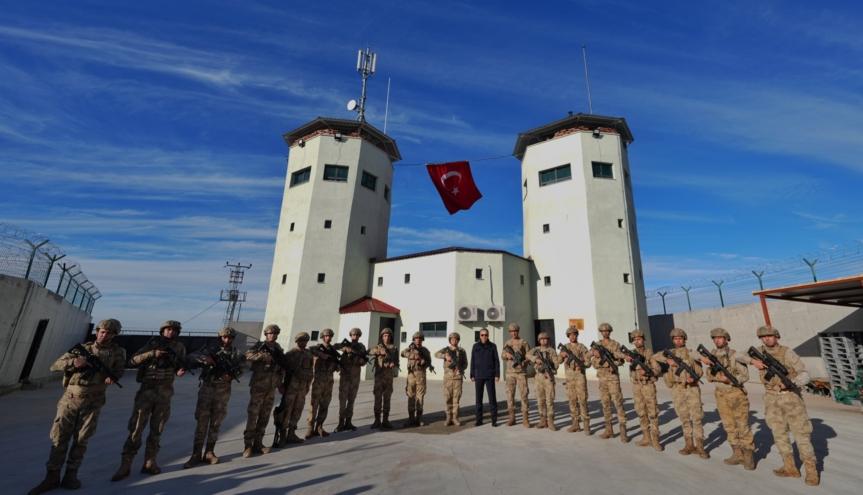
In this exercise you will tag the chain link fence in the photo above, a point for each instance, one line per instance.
(736, 287)
(34, 257)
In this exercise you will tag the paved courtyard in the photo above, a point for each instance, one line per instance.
(432, 459)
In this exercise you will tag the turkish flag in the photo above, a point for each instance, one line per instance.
(455, 185)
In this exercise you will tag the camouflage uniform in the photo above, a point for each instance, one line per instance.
(267, 376)
(733, 404)
(416, 380)
(644, 394)
(687, 398)
(453, 379)
(299, 362)
(352, 363)
(576, 385)
(609, 387)
(786, 412)
(214, 392)
(322, 387)
(545, 383)
(386, 361)
(79, 407)
(516, 378)
(153, 400)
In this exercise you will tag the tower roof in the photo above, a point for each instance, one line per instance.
(580, 121)
(329, 126)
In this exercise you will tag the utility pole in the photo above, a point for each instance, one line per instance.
(233, 295)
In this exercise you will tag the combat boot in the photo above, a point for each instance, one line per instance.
(341, 425)
(211, 457)
(377, 423)
(123, 470)
(292, 437)
(654, 440)
(71, 481)
(448, 421)
(311, 433)
(809, 465)
(645, 435)
(51, 481)
(247, 452)
(550, 423)
(385, 424)
(510, 421)
(542, 423)
(688, 448)
(258, 447)
(525, 421)
(150, 467)
(699, 449)
(609, 430)
(735, 458)
(575, 426)
(194, 460)
(349, 425)
(624, 438)
(455, 420)
(748, 459)
(321, 431)
(788, 469)
(410, 422)
(587, 431)
(419, 418)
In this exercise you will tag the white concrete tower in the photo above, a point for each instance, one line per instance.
(579, 226)
(334, 219)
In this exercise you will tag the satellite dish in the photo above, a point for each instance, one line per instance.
(352, 105)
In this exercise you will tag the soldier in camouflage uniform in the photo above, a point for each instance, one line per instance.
(79, 407)
(576, 382)
(644, 392)
(419, 359)
(326, 363)
(545, 380)
(299, 362)
(732, 402)
(353, 360)
(214, 392)
(455, 362)
(784, 409)
(686, 394)
(516, 376)
(386, 361)
(267, 375)
(609, 383)
(158, 362)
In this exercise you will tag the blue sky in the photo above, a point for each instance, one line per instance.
(145, 137)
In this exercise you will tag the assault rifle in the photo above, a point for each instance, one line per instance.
(277, 354)
(425, 355)
(159, 343)
(774, 368)
(638, 361)
(330, 351)
(547, 365)
(279, 419)
(570, 357)
(387, 359)
(517, 357)
(223, 364)
(453, 360)
(605, 356)
(681, 366)
(355, 347)
(716, 367)
(95, 363)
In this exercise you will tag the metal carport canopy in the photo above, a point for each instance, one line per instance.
(847, 291)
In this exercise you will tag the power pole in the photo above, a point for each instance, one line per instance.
(233, 295)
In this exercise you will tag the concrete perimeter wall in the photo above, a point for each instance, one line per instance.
(799, 325)
(23, 304)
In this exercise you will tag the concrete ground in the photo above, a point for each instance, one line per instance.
(433, 459)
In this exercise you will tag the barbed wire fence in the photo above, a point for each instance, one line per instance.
(34, 257)
(736, 286)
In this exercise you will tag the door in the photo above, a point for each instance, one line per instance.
(34, 350)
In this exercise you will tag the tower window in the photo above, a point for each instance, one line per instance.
(547, 280)
(315, 334)
(328, 224)
(478, 273)
(433, 328)
(292, 226)
(369, 181)
(362, 230)
(407, 278)
(386, 192)
(380, 281)
(301, 176)
(546, 228)
(625, 278)
(284, 278)
(556, 174)
(321, 277)
(521, 278)
(619, 223)
(404, 337)
(336, 173)
(603, 170)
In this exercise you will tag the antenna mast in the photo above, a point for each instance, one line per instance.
(233, 295)
(366, 63)
(586, 78)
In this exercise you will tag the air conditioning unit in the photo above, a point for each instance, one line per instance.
(495, 313)
(467, 313)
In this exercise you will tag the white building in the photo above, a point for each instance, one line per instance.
(581, 264)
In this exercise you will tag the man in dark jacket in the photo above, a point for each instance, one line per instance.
(485, 372)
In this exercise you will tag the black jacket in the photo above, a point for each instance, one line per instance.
(484, 362)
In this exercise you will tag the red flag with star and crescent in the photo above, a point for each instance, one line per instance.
(455, 185)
